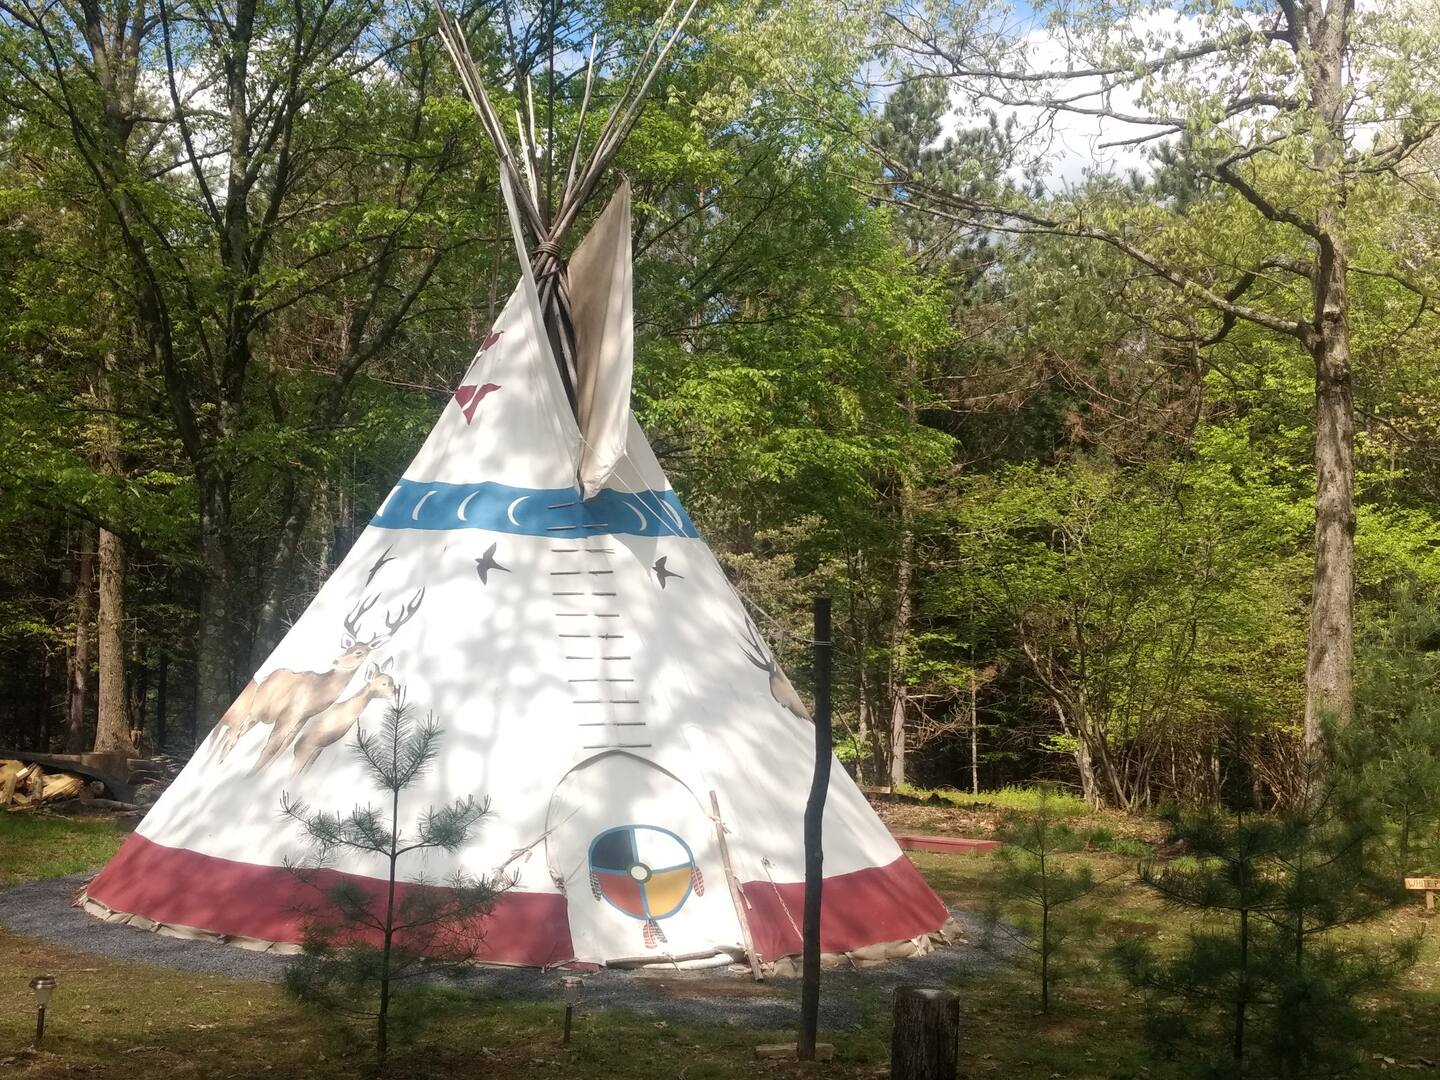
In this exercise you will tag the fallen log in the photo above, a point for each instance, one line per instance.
(80, 806)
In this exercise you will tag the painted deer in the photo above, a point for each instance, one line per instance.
(286, 722)
(780, 688)
(284, 691)
(334, 723)
(263, 702)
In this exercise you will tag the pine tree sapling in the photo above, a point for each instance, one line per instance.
(1391, 755)
(1261, 984)
(1037, 889)
(364, 942)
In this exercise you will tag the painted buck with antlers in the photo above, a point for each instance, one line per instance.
(334, 723)
(288, 724)
(286, 698)
(764, 659)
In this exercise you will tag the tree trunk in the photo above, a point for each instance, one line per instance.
(140, 696)
(897, 736)
(1329, 690)
(112, 725)
(112, 721)
(904, 572)
(924, 1034)
(1084, 764)
(79, 673)
(974, 732)
(161, 676)
(268, 629)
(215, 640)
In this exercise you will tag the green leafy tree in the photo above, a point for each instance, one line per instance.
(1138, 601)
(1270, 108)
(363, 944)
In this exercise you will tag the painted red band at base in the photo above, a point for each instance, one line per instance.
(269, 903)
(864, 907)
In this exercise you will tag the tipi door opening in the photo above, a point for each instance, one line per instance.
(637, 859)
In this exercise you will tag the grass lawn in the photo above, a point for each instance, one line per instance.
(113, 1020)
(34, 846)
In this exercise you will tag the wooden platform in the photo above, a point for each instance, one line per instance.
(944, 845)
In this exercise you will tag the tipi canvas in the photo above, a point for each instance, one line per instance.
(596, 677)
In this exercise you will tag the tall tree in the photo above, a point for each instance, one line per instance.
(217, 181)
(1275, 105)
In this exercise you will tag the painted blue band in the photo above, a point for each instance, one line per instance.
(553, 512)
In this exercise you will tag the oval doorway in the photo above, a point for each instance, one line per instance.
(637, 859)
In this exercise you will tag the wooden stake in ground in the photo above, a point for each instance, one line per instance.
(814, 819)
(737, 896)
(924, 1034)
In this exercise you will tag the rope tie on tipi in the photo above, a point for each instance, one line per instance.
(765, 862)
(552, 278)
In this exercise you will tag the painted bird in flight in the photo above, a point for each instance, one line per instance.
(661, 573)
(486, 563)
(379, 563)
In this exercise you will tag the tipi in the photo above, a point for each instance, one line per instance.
(534, 582)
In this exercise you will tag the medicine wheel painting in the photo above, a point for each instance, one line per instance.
(645, 871)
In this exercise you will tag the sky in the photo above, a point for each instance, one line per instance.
(1071, 144)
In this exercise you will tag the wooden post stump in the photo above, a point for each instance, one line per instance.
(924, 1034)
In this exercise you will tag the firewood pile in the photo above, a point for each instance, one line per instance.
(82, 782)
(24, 784)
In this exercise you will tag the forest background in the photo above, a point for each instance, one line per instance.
(1050, 433)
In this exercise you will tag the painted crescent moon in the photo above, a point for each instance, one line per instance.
(644, 521)
(383, 505)
(665, 505)
(464, 503)
(415, 514)
(510, 510)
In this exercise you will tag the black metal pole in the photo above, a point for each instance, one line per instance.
(39, 1024)
(814, 855)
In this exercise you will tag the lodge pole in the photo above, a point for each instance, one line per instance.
(814, 855)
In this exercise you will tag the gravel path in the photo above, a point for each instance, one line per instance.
(42, 909)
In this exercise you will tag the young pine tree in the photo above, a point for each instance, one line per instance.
(1391, 754)
(1262, 985)
(364, 944)
(1038, 889)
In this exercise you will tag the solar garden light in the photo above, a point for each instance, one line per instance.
(572, 987)
(43, 986)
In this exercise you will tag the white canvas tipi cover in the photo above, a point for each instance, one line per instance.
(596, 677)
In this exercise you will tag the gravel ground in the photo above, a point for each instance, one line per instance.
(42, 909)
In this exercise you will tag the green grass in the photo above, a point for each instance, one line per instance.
(34, 846)
(117, 1021)
(1094, 1028)
(1103, 838)
(1025, 799)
